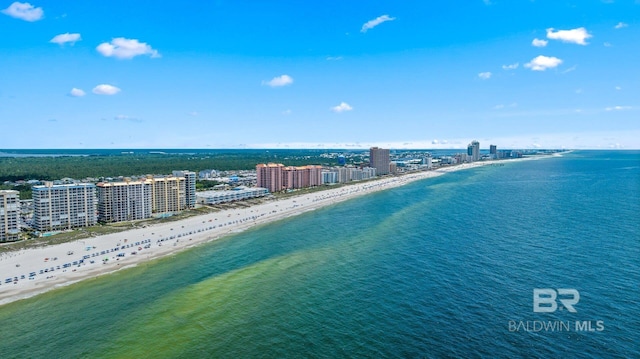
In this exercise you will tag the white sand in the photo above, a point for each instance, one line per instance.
(166, 238)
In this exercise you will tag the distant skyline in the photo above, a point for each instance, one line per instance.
(285, 74)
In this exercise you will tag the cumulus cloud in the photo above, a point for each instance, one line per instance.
(485, 75)
(105, 89)
(375, 22)
(620, 25)
(65, 38)
(343, 106)
(122, 48)
(24, 11)
(575, 36)
(510, 67)
(618, 108)
(541, 63)
(435, 142)
(539, 43)
(75, 92)
(279, 81)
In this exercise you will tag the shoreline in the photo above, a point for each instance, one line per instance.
(39, 270)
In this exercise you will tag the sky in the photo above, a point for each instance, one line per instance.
(331, 74)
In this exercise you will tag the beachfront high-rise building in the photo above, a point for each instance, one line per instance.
(269, 176)
(64, 206)
(167, 194)
(493, 149)
(9, 216)
(473, 150)
(301, 177)
(189, 185)
(124, 201)
(379, 159)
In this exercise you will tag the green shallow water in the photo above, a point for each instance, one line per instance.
(435, 268)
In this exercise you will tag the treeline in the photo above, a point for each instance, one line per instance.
(80, 167)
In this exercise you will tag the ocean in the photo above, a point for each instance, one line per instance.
(443, 267)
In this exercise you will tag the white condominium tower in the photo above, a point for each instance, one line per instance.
(190, 186)
(9, 216)
(124, 201)
(65, 206)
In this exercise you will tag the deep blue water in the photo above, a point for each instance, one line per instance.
(437, 268)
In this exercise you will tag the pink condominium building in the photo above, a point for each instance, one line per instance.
(276, 177)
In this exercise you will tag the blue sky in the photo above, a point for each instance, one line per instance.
(336, 74)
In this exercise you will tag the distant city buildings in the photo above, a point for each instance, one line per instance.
(9, 216)
(380, 160)
(493, 149)
(473, 151)
(64, 206)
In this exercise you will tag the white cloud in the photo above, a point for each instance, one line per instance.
(541, 63)
(607, 44)
(24, 11)
(279, 81)
(75, 92)
(122, 48)
(126, 118)
(375, 22)
(343, 106)
(618, 108)
(618, 88)
(435, 142)
(575, 36)
(485, 75)
(64, 38)
(334, 58)
(193, 113)
(539, 43)
(286, 112)
(105, 89)
(572, 68)
(510, 67)
(620, 25)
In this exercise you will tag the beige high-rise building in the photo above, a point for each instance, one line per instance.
(379, 159)
(168, 194)
(9, 216)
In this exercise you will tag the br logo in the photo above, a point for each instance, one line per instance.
(544, 299)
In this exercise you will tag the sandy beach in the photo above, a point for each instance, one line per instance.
(30, 272)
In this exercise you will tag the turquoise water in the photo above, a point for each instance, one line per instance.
(437, 268)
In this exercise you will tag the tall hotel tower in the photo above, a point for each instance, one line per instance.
(190, 186)
(473, 150)
(124, 201)
(65, 206)
(9, 216)
(379, 159)
(270, 176)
